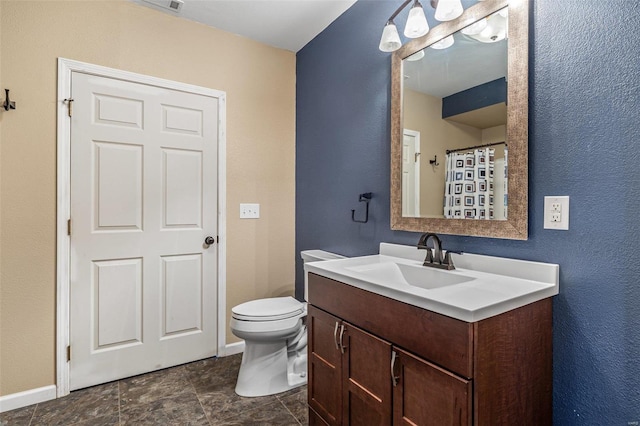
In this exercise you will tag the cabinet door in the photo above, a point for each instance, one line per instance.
(367, 378)
(428, 395)
(325, 366)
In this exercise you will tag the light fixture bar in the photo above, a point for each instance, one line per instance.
(397, 12)
(417, 25)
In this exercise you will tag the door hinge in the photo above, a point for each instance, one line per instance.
(69, 102)
(69, 227)
(68, 353)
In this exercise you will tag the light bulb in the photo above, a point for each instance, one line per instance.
(390, 40)
(416, 56)
(476, 27)
(448, 10)
(417, 25)
(444, 43)
(495, 31)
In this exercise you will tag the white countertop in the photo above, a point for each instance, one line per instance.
(492, 285)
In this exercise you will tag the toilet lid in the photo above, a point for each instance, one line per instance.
(271, 309)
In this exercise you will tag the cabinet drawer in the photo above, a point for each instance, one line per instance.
(442, 340)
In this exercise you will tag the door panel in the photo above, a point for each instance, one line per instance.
(368, 393)
(325, 363)
(118, 303)
(178, 119)
(182, 195)
(428, 395)
(114, 190)
(118, 111)
(143, 198)
(182, 291)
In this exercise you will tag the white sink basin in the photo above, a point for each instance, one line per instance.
(480, 287)
(417, 276)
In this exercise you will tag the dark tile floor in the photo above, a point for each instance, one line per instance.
(200, 393)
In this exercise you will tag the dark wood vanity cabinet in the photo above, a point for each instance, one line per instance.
(428, 395)
(345, 362)
(378, 361)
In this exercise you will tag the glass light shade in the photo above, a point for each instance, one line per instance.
(476, 27)
(496, 29)
(417, 25)
(444, 43)
(416, 56)
(390, 40)
(448, 10)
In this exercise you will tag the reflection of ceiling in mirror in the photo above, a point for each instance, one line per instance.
(468, 63)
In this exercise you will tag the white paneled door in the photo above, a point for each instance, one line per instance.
(410, 173)
(143, 200)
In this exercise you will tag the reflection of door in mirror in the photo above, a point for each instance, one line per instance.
(410, 173)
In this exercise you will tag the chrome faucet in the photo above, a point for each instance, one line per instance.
(435, 259)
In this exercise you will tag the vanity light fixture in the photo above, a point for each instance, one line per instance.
(416, 56)
(475, 28)
(444, 43)
(448, 10)
(495, 28)
(417, 26)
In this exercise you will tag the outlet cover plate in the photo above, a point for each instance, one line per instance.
(556, 213)
(249, 211)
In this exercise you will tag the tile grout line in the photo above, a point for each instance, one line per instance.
(289, 411)
(119, 408)
(188, 376)
(33, 414)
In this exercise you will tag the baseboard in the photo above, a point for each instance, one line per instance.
(30, 397)
(232, 349)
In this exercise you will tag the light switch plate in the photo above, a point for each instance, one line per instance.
(249, 211)
(556, 213)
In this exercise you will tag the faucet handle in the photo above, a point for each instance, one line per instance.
(429, 257)
(447, 259)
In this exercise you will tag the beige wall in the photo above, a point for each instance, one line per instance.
(493, 135)
(260, 86)
(423, 113)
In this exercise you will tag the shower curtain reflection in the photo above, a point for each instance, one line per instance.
(475, 184)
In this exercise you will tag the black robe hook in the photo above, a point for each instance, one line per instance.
(8, 104)
(366, 197)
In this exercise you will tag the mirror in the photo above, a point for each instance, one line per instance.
(459, 117)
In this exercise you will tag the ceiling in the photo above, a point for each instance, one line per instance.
(286, 24)
(468, 63)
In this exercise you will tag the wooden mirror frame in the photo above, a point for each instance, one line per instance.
(516, 225)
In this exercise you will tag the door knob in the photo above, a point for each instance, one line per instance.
(209, 240)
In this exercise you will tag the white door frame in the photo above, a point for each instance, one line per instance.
(65, 68)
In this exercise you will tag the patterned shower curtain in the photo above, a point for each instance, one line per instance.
(469, 185)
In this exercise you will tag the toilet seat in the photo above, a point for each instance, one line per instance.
(272, 309)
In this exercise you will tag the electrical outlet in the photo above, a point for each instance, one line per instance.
(249, 211)
(556, 213)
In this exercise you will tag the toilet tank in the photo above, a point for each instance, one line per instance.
(315, 256)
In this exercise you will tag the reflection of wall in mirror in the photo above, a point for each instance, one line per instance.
(423, 113)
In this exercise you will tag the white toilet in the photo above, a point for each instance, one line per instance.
(275, 335)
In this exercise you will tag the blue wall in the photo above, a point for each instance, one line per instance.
(584, 142)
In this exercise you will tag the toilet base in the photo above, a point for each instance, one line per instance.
(267, 368)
